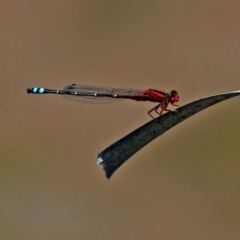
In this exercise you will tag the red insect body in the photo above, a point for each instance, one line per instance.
(154, 95)
(91, 94)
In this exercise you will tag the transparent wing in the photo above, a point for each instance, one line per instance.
(94, 94)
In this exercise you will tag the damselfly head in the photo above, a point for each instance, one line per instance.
(174, 97)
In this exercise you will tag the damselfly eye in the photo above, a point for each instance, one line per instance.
(174, 97)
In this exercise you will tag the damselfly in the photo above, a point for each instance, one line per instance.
(92, 94)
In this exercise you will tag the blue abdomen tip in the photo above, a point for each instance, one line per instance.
(37, 90)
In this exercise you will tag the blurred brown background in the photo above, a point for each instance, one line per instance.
(183, 185)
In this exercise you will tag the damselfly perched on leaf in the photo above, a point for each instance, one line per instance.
(92, 94)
